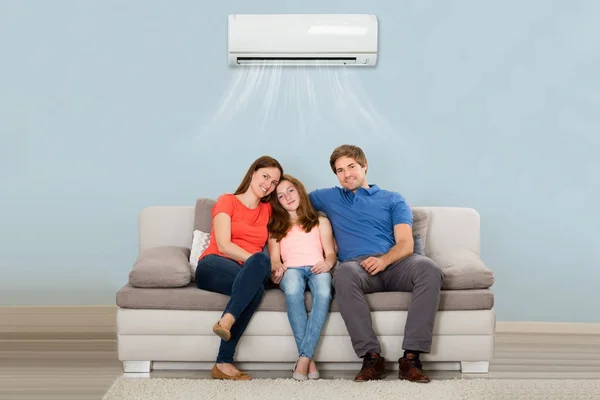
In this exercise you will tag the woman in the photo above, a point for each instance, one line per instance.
(304, 242)
(234, 263)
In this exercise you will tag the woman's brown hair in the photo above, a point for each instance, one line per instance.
(261, 162)
(280, 222)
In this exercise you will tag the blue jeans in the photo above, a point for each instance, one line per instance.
(245, 284)
(306, 329)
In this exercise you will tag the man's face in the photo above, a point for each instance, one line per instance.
(350, 173)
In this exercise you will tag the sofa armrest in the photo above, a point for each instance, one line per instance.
(463, 269)
(162, 267)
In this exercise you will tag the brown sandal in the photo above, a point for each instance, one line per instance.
(216, 373)
(221, 331)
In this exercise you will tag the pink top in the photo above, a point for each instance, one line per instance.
(301, 249)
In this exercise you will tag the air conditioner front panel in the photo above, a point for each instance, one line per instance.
(330, 34)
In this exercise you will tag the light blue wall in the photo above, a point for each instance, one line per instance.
(106, 107)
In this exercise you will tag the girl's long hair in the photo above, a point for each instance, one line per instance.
(280, 222)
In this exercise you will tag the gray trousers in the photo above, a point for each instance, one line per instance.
(417, 274)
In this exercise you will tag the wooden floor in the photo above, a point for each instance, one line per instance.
(72, 368)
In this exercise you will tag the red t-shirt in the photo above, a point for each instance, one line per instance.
(248, 226)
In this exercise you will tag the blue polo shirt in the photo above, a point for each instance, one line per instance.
(363, 223)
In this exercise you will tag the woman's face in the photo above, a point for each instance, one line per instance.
(264, 181)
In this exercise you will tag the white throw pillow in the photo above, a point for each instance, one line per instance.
(200, 242)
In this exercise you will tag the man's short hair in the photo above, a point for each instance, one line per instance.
(350, 151)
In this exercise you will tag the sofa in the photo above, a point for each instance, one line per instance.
(165, 322)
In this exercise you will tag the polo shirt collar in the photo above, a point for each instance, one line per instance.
(370, 191)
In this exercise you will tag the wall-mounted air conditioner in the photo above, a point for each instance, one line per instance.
(303, 39)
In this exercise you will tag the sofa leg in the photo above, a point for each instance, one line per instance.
(136, 366)
(474, 367)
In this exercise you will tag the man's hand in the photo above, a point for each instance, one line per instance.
(277, 272)
(321, 267)
(373, 265)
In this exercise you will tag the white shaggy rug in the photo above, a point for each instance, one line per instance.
(288, 389)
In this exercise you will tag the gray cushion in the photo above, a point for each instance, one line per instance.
(420, 224)
(418, 246)
(162, 267)
(192, 298)
(203, 214)
(463, 269)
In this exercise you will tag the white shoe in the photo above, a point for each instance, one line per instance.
(298, 376)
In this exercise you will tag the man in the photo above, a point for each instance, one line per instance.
(373, 230)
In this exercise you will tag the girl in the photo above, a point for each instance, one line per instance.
(234, 263)
(302, 251)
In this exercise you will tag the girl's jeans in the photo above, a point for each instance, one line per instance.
(306, 328)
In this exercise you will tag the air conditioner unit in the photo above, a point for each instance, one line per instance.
(303, 39)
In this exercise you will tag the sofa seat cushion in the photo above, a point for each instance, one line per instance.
(192, 298)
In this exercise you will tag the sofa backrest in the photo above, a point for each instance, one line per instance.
(452, 228)
(448, 228)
